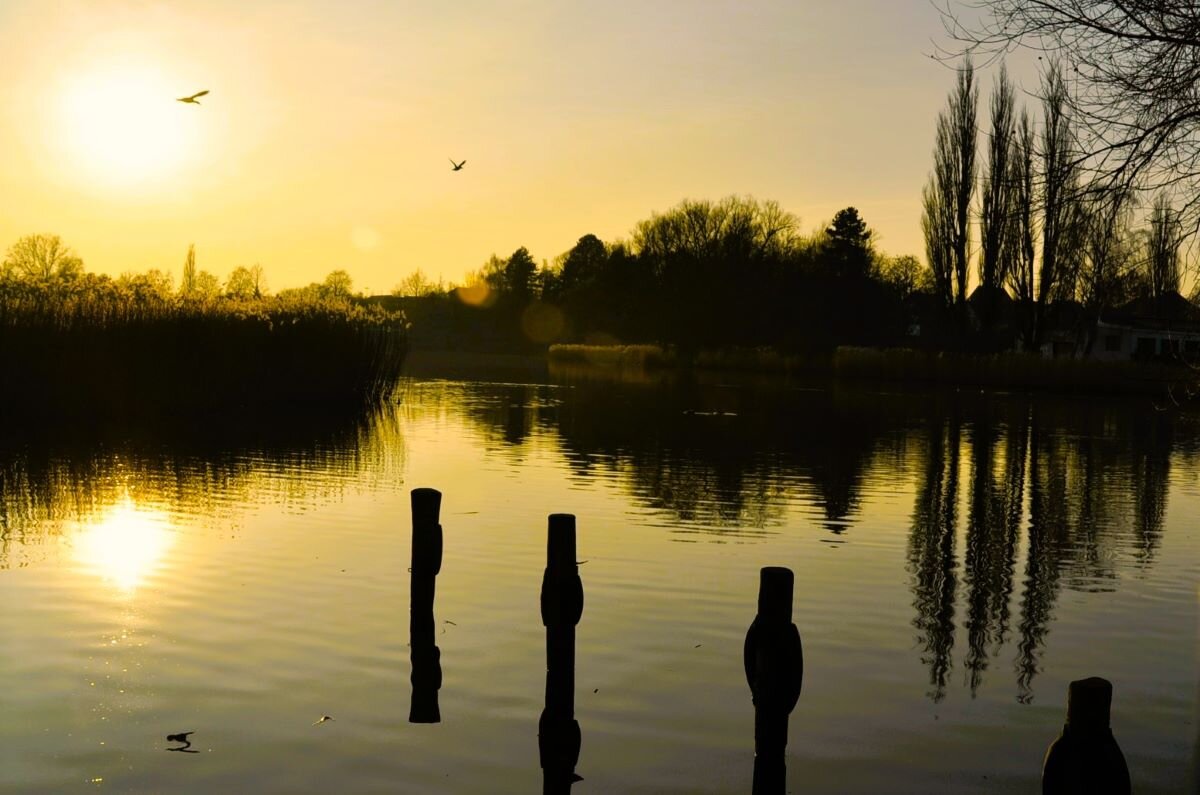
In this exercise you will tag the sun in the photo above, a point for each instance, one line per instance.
(120, 125)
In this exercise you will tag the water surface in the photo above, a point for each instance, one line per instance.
(959, 558)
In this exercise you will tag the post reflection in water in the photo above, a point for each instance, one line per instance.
(982, 520)
(1015, 497)
(559, 737)
(426, 563)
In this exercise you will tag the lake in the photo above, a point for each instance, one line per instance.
(959, 557)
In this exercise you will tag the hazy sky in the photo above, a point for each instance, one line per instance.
(325, 139)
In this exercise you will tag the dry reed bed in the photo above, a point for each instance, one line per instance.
(103, 350)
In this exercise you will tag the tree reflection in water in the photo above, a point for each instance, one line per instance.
(1096, 480)
(1053, 493)
(998, 455)
(931, 556)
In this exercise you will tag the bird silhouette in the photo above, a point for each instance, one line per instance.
(457, 166)
(322, 719)
(182, 737)
(194, 98)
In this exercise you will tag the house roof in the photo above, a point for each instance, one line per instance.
(1167, 311)
(997, 295)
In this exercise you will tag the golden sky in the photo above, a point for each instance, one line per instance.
(324, 142)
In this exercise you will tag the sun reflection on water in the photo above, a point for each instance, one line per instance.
(125, 544)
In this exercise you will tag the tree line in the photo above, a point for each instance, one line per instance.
(44, 261)
(732, 272)
(1036, 221)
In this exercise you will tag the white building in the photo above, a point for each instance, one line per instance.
(1163, 328)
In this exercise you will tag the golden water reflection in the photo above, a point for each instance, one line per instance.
(124, 544)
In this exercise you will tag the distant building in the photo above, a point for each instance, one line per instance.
(1066, 328)
(1147, 329)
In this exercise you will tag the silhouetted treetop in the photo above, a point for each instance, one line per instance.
(153, 285)
(945, 220)
(583, 263)
(731, 226)
(246, 282)
(518, 273)
(906, 275)
(850, 244)
(40, 257)
(1162, 248)
(337, 284)
(187, 284)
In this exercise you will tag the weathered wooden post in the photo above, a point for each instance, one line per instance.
(774, 662)
(562, 605)
(426, 563)
(1086, 758)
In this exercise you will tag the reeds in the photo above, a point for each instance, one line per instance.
(613, 355)
(1019, 371)
(89, 344)
(760, 360)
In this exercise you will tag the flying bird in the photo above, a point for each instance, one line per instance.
(322, 719)
(194, 98)
(457, 166)
(182, 737)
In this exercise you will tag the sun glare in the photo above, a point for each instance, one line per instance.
(122, 126)
(124, 545)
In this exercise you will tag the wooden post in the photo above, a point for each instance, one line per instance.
(774, 663)
(559, 737)
(1086, 758)
(426, 563)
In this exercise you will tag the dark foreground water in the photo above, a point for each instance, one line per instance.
(959, 558)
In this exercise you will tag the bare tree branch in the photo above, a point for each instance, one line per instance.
(1134, 67)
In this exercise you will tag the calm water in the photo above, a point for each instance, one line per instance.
(959, 558)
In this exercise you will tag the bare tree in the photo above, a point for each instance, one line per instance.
(1162, 248)
(1022, 231)
(418, 284)
(153, 285)
(947, 196)
(905, 274)
(208, 286)
(1105, 247)
(40, 257)
(963, 132)
(1135, 67)
(1072, 244)
(937, 223)
(187, 284)
(246, 282)
(260, 280)
(700, 230)
(995, 255)
(1060, 195)
(337, 284)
